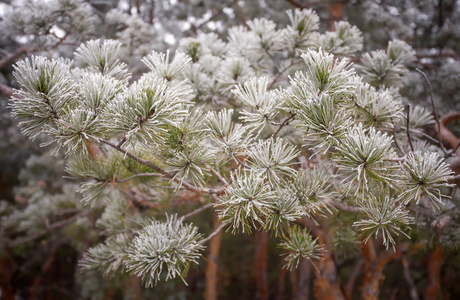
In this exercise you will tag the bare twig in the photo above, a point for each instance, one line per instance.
(5, 90)
(342, 206)
(408, 129)
(139, 175)
(300, 5)
(434, 109)
(353, 277)
(13, 243)
(156, 168)
(409, 279)
(396, 141)
(281, 73)
(217, 174)
(197, 211)
(239, 161)
(452, 151)
(204, 241)
(13, 56)
(285, 123)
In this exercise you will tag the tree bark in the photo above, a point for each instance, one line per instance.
(326, 285)
(281, 281)
(434, 273)
(335, 10)
(212, 266)
(374, 264)
(304, 280)
(45, 269)
(261, 240)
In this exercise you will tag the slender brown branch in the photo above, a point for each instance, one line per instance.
(5, 90)
(212, 267)
(407, 128)
(216, 232)
(285, 123)
(281, 73)
(13, 56)
(342, 206)
(409, 279)
(156, 168)
(438, 123)
(13, 243)
(217, 174)
(300, 5)
(353, 277)
(396, 142)
(197, 211)
(138, 175)
(239, 161)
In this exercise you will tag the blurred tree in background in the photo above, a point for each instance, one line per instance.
(47, 226)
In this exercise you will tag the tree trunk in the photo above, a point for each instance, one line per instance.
(212, 265)
(434, 273)
(261, 240)
(374, 265)
(326, 285)
(304, 280)
(335, 10)
(281, 281)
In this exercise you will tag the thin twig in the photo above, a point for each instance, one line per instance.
(396, 141)
(56, 225)
(197, 211)
(138, 175)
(409, 279)
(438, 123)
(422, 133)
(239, 161)
(156, 168)
(285, 123)
(217, 174)
(452, 151)
(342, 206)
(408, 129)
(204, 241)
(281, 73)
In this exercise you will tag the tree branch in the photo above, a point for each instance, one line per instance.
(285, 123)
(197, 211)
(216, 232)
(407, 128)
(342, 206)
(6, 90)
(156, 168)
(434, 109)
(13, 243)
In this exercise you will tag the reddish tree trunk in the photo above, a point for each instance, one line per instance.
(434, 273)
(212, 265)
(44, 270)
(7, 268)
(326, 285)
(261, 240)
(281, 281)
(374, 264)
(304, 280)
(335, 10)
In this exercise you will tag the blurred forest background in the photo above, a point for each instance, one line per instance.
(45, 229)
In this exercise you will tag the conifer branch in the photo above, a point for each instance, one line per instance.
(196, 211)
(435, 113)
(137, 176)
(284, 123)
(49, 227)
(213, 234)
(409, 139)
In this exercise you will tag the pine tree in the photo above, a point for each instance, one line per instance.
(279, 129)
